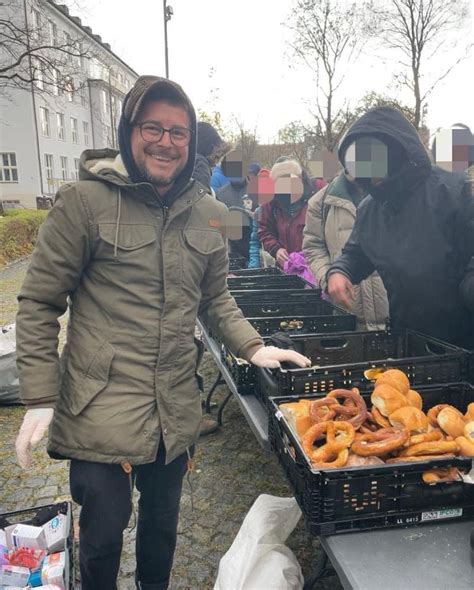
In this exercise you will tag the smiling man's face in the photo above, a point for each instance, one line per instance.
(160, 162)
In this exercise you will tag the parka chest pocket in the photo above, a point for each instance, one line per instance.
(200, 244)
(127, 241)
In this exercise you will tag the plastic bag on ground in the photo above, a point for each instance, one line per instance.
(258, 558)
(9, 384)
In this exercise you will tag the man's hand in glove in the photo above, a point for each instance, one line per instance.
(271, 357)
(35, 424)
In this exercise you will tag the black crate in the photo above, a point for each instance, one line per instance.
(257, 272)
(325, 318)
(236, 261)
(376, 497)
(39, 516)
(273, 296)
(340, 361)
(292, 302)
(244, 374)
(260, 282)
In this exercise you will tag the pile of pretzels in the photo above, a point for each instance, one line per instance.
(339, 430)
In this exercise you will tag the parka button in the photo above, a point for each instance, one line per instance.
(165, 431)
(145, 433)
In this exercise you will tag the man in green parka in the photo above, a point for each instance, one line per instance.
(135, 251)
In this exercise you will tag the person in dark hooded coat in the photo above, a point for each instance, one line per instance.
(415, 228)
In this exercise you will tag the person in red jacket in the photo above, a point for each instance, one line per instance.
(281, 221)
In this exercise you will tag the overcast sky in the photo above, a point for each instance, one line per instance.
(244, 42)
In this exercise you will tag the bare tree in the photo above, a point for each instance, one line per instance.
(420, 31)
(327, 38)
(33, 51)
(294, 138)
(245, 140)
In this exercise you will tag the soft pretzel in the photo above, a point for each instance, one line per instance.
(469, 415)
(323, 409)
(339, 436)
(354, 408)
(436, 447)
(426, 437)
(440, 474)
(403, 459)
(381, 442)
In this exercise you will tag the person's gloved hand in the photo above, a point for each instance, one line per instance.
(341, 290)
(35, 423)
(271, 357)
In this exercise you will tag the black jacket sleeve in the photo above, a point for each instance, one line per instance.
(202, 171)
(353, 262)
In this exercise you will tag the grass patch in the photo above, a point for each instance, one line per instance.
(18, 233)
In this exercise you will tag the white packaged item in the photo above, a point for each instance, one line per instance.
(56, 532)
(14, 575)
(55, 570)
(3, 538)
(26, 535)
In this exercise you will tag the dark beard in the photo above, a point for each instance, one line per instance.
(158, 180)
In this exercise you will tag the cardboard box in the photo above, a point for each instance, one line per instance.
(25, 535)
(55, 570)
(56, 533)
(12, 575)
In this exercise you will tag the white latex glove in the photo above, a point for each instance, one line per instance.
(271, 357)
(35, 424)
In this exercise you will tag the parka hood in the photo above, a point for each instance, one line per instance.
(389, 125)
(133, 103)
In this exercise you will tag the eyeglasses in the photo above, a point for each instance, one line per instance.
(153, 132)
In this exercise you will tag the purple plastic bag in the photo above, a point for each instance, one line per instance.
(297, 265)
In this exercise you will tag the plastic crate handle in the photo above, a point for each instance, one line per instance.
(333, 343)
(270, 310)
(436, 348)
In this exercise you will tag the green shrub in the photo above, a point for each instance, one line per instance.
(18, 233)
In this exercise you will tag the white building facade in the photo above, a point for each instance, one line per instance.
(45, 127)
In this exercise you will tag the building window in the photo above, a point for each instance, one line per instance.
(76, 168)
(60, 125)
(105, 102)
(35, 22)
(44, 118)
(8, 168)
(49, 163)
(75, 134)
(55, 74)
(39, 75)
(85, 128)
(53, 33)
(83, 95)
(64, 168)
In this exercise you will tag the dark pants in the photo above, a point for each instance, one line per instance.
(103, 491)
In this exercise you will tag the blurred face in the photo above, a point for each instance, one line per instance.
(159, 160)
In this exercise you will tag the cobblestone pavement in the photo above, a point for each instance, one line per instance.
(231, 470)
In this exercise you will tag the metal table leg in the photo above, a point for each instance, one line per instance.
(219, 381)
(221, 408)
(313, 579)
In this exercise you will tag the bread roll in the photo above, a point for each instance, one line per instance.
(469, 431)
(297, 416)
(469, 415)
(451, 421)
(414, 399)
(410, 418)
(387, 399)
(466, 446)
(395, 378)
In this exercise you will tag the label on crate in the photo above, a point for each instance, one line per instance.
(441, 514)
